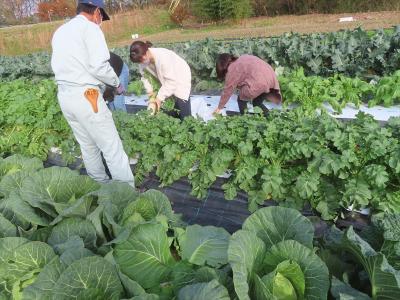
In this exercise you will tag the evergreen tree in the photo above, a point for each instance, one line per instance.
(222, 9)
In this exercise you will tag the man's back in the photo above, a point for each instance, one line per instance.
(80, 54)
(80, 64)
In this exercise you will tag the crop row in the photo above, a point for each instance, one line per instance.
(311, 92)
(352, 53)
(64, 236)
(294, 157)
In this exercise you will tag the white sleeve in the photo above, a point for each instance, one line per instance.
(147, 85)
(99, 55)
(169, 86)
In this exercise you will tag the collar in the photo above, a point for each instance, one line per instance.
(82, 17)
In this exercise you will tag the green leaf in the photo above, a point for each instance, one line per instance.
(390, 224)
(385, 280)
(203, 291)
(21, 213)
(42, 288)
(391, 203)
(275, 224)
(131, 287)
(12, 182)
(275, 286)
(184, 273)
(90, 293)
(343, 291)
(96, 218)
(272, 182)
(292, 272)
(72, 254)
(205, 245)
(328, 201)
(245, 254)
(117, 193)
(286, 282)
(145, 257)
(307, 184)
(70, 227)
(391, 250)
(357, 192)
(282, 288)
(315, 272)
(55, 189)
(21, 262)
(377, 175)
(146, 297)
(149, 205)
(8, 245)
(113, 199)
(394, 161)
(245, 148)
(31, 255)
(7, 229)
(263, 288)
(16, 163)
(88, 274)
(327, 163)
(75, 208)
(35, 234)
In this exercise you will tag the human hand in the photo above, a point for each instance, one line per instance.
(217, 111)
(120, 90)
(159, 103)
(154, 105)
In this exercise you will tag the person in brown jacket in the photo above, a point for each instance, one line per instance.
(254, 78)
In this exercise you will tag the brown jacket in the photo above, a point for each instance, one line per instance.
(251, 76)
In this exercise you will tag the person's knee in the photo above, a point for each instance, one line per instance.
(114, 154)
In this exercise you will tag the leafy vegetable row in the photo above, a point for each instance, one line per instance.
(290, 157)
(352, 53)
(31, 121)
(63, 236)
(311, 92)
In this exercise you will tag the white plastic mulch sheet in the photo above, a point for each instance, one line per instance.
(203, 106)
(379, 113)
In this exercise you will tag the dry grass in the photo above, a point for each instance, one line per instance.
(154, 24)
(147, 21)
(272, 26)
(26, 38)
(32, 38)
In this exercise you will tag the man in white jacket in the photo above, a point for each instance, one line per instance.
(80, 64)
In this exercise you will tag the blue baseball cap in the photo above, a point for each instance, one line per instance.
(99, 4)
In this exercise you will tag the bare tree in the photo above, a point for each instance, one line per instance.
(15, 11)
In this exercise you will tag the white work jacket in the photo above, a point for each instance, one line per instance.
(172, 71)
(80, 55)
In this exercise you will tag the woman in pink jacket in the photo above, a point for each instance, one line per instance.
(255, 80)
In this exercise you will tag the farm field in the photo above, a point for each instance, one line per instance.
(322, 195)
(62, 231)
(154, 24)
(273, 26)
